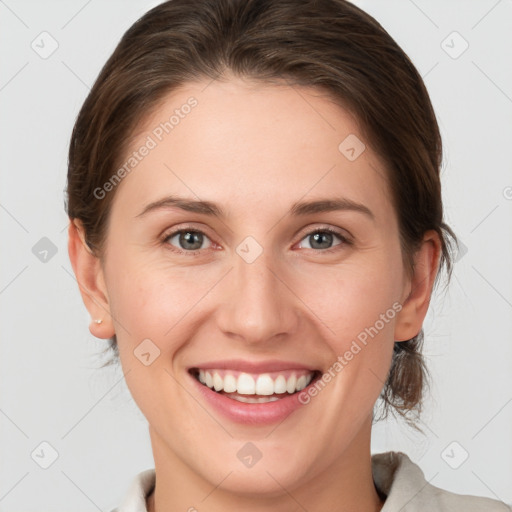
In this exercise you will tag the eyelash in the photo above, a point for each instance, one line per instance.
(345, 241)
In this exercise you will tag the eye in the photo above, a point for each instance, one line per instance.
(192, 241)
(324, 238)
(188, 240)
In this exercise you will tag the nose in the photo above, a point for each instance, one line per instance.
(259, 307)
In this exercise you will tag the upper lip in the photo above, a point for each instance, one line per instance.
(241, 365)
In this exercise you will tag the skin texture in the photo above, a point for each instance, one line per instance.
(255, 150)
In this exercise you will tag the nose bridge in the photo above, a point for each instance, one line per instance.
(259, 306)
(256, 279)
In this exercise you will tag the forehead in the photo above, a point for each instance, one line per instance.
(254, 143)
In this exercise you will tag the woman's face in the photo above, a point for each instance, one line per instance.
(263, 287)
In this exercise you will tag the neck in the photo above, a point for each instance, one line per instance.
(345, 486)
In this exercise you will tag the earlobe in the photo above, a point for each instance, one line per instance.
(419, 288)
(89, 275)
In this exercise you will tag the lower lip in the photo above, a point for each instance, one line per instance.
(251, 414)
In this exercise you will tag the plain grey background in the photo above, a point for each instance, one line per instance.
(52, 392)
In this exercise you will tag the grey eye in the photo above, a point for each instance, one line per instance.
(188, 240)
(321, 240)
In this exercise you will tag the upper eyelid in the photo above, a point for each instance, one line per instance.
(166, 233)
(337, 231)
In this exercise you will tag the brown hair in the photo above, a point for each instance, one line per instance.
(328, 44)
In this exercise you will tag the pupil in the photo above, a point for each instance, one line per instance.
(318, 238)
(191, 240)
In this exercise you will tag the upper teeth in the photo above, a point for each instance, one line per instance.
(247, 384)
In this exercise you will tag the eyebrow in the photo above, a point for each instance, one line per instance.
(298, 209)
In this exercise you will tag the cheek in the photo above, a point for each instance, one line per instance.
(351, 299)
(149, 302)
(357, 305)
(151, 299)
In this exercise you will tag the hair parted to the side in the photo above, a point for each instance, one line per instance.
(328, 44)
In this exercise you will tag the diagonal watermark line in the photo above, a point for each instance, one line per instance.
(460, 285)
(287, 492)
(501, 409)
(416, 494)
(70, 274)
(14, 76)
(165, 165)
(199, 403)
(5, 495)
(65, 227)
(485, 218)
(277, 426)
(497, 497)
(493, 287)
(305, 194)
(86, 85)
(94, 405)
(297, 91)
(13, 423)
(13, 279)
(424, 13)
(485, 15)
(322, 322)
(380, 172)
(431, 69)
(194, 305)
(377, 377)
(13, 218)
(491, 80)
(209, 83)
(216, 487)
(85, 494)
(428, 428)
(76, 14)
(12, 12)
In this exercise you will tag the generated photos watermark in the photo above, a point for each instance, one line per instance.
(152, 140)
(355, 348)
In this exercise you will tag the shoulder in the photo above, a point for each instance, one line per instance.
(140, 487)
(407, 490)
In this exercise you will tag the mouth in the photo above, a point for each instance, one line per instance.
(255, 388)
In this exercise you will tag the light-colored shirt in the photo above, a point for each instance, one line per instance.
(395, 476)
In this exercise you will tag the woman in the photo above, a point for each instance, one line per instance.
(257, 228)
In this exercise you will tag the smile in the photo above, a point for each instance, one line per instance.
(254, 388)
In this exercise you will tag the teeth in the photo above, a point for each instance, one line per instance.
(280, 385)
(218, 383)
(291, 384)
(301, 383)
(264, 385)
(246, 384)
(229, 384)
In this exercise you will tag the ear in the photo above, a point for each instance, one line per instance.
(89, 275)
(418, 288)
